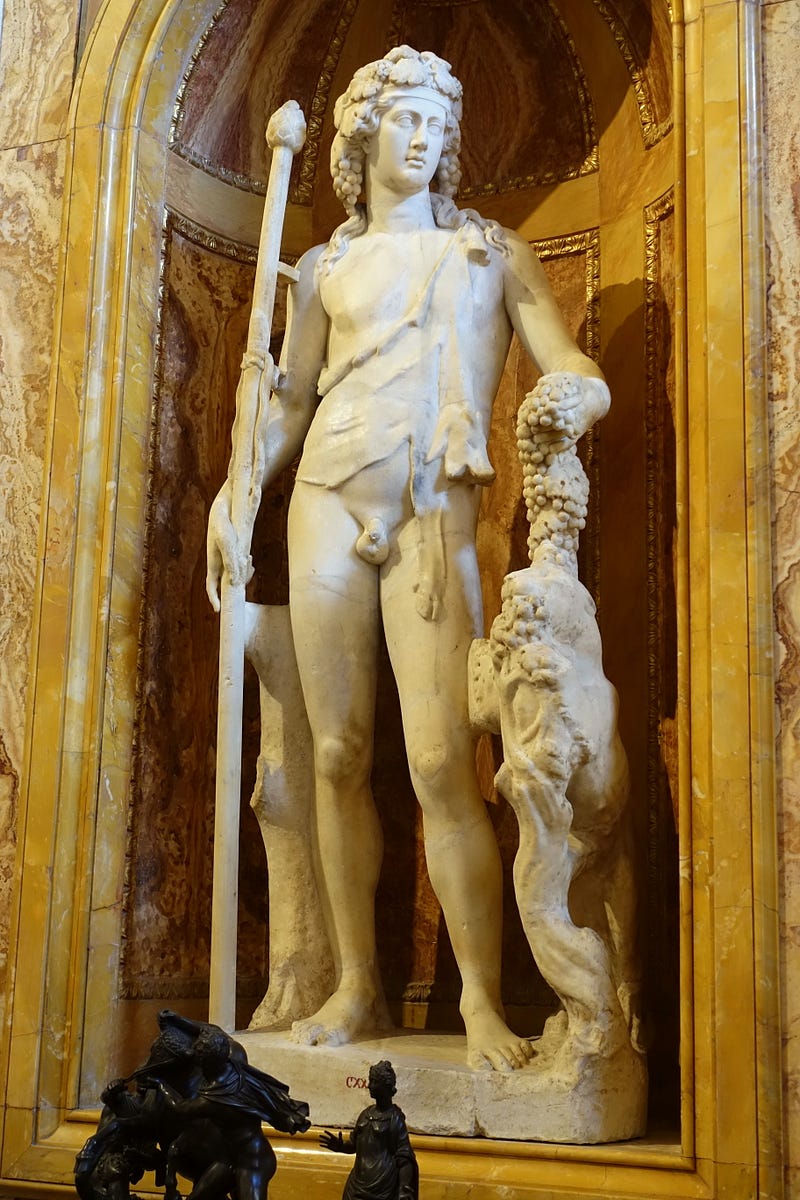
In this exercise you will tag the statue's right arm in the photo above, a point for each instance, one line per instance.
(294, 400)
(292, 405)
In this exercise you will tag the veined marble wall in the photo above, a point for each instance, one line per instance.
(781, 33)
(37, 51)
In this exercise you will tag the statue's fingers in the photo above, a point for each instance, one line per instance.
(213, 574)
(227, 548)
(212, 591)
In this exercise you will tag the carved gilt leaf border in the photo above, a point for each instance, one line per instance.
(591, 162)
(660, 787)
(654, 216)
(652, 129)
(302, 191)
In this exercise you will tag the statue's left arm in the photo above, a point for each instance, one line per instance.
(536, 319)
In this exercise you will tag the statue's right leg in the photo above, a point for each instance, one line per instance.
(334, 609)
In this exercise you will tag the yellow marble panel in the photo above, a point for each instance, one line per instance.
(538, 213)
(30, 196)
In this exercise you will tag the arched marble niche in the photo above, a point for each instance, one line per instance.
(69, 1025)
(567, 137)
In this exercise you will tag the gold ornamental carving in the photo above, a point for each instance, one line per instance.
(304, 190)
(591, 161)
(654, 216)
(653, 130)
(237, 179)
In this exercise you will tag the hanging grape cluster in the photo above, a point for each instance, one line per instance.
(555, 486)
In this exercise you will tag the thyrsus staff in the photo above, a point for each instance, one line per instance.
(285, 136)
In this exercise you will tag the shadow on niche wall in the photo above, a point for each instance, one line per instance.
(638, 620)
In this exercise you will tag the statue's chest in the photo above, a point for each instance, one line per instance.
(381, 279)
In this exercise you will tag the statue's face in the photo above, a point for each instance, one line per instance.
(404, 152)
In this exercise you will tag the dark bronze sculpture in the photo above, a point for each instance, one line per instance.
(385, 1167)
(195, 1109)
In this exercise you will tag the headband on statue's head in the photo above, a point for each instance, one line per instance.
(403, 72)
(392, 94)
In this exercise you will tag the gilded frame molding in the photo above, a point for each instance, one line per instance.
(652, 129)
(66, 929)
(302, 191)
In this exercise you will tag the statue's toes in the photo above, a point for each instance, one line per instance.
(306, 1033)
(508, 1055)
(332, 1037)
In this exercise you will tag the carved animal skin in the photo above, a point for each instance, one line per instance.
(565, 774)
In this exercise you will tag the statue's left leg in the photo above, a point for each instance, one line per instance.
(429, 659)
(214, 1184)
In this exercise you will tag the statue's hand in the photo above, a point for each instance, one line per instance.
(223, 552)
(564, 405)
(332, 1141)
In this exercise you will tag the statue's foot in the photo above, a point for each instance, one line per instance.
(350, 1013)
(286, 1001)
(491, 1046)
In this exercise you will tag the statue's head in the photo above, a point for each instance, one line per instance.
(212, 1044)
(382, 1079)
(375, 88)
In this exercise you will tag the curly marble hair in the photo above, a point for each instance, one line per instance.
(356, 117)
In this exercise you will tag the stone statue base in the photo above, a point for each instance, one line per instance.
(599, 1100)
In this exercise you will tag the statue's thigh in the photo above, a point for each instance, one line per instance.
(333, 597)
(429, 657)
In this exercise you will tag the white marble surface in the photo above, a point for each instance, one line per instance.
(440, 1094)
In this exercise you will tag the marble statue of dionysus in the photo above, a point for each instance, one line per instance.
(397, 333)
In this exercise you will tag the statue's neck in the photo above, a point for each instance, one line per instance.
(387, 212)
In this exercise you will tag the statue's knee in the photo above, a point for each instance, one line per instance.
(338, 759)
(428, 762)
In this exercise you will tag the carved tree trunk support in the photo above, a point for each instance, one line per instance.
(301, 975)
(574, 960)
